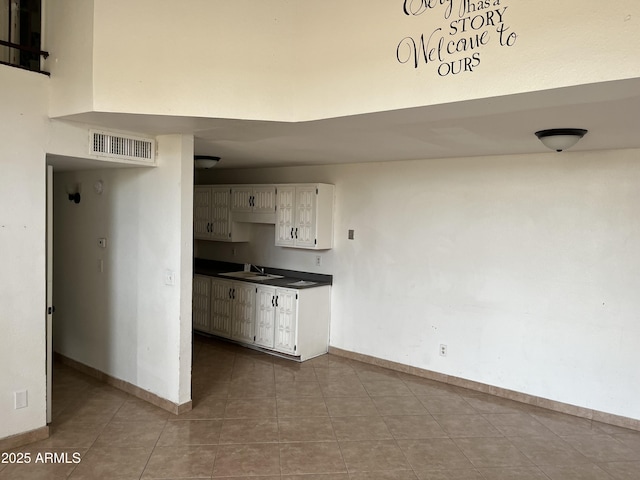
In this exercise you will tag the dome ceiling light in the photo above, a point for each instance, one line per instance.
(205, 161)
(560, 139)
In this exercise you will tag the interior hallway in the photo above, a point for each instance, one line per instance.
(260, 417)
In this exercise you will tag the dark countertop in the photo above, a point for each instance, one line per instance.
(213, 268)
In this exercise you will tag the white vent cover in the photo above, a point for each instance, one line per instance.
(106, 144)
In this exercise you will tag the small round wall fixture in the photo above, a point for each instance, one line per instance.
(205, 161)
(560, 139)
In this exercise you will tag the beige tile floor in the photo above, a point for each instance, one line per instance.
(260, 417)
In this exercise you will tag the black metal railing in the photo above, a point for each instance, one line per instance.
(26, 65)
(20, 35)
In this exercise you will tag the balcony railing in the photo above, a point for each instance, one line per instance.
(20, 34)
(33, 53)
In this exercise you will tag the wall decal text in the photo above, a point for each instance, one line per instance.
(455, 47)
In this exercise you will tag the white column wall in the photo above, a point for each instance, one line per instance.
(69, 37)
(126, 321)
(24, 100)
(525, 266)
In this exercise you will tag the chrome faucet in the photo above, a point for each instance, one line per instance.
(260, 270)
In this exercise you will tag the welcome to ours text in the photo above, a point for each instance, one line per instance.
(455, 47)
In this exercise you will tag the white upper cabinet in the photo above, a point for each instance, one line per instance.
(302, 213)
(253, 203)
(201, 212)
(304, 216)
(212, 216)
(253, 199)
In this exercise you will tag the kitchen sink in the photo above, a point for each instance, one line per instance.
(239, 274)
(253, 276)
(266, 276)
(302, 283)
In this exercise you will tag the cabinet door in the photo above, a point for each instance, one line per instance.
(305, 221)
(221, 292)
(201, 212)
(241, 199)
(264, 199)
(286, 320)
(243, 299)
(284, 226)
(220, 219)
(265, 316)
(201, 302)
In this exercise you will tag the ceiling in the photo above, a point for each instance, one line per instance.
(492, 126)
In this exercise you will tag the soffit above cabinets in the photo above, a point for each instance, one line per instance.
(491, 126)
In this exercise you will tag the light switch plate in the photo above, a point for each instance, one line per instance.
(20, 399)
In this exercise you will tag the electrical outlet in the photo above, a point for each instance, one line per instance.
(443, 350)
(318, 260)
(234, 251)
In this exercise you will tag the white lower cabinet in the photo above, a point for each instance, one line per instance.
(201, 304)
(265, 316)
(276, 319)
(220, 307)
(294, 322)
(243, 298)
(231, 310)
(285, 320)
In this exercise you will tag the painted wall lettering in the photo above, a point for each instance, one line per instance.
(455, 47)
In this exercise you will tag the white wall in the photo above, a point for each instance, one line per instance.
(206, 59)
(24, 98)
(125, 321)
(351, 67)
(291, 61)
(68, 37)
(525, 266)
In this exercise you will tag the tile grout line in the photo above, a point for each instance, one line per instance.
(346, 468)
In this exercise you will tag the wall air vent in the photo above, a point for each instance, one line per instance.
(107, 144)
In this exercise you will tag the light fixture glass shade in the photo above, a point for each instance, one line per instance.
(560, 139)
(205, 161)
